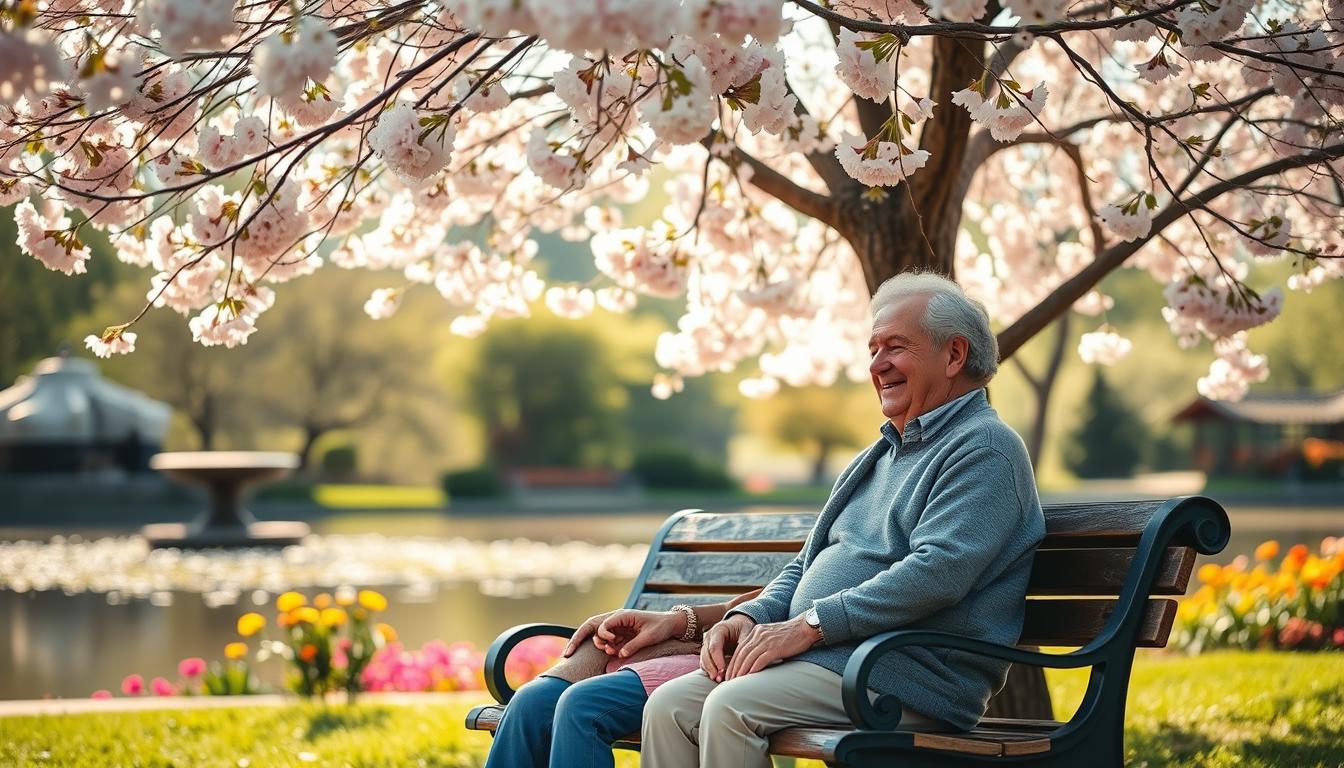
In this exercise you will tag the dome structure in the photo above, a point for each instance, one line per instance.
(65, 417)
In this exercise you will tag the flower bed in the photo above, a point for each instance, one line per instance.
(1293, 603)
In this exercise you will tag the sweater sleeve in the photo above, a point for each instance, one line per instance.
(973, 512)
(773, 603)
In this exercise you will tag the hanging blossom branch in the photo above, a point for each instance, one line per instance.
(230, 148)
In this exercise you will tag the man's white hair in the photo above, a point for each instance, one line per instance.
(950, 312)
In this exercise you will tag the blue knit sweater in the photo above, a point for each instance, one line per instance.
(931, 529)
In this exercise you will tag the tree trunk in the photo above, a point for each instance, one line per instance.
(1043, 387)
(311, 433)
(819, 463)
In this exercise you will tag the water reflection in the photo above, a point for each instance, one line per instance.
(82, 612)
(70, 646)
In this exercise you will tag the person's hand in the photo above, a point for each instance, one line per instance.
(626, 631)
(767, 644)
(720, 638)
(585, 629)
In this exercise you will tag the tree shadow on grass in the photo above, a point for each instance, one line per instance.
(1166, 740)
(345, 719)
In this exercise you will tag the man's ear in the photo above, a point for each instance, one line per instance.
(956, 351)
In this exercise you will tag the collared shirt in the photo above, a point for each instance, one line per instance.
(929, 422)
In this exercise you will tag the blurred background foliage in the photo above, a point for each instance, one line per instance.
(403, 400)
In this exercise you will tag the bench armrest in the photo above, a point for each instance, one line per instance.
(884, 713)
(498, 655)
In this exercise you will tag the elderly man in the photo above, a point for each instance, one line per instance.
(932, 527)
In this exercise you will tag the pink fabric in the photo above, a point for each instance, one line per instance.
(654, 672)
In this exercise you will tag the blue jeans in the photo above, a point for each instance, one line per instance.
(550, 723)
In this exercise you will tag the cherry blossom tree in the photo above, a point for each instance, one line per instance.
(808, 152)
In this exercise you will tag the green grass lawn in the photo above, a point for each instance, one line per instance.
(1228, 709)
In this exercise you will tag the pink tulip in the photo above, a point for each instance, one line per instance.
(190, 668)
(133, 685)
(163, 687)
(103, 694)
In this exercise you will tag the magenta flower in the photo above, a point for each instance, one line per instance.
(133, 685)
(163, 687)
(102, 694)
(190, 668)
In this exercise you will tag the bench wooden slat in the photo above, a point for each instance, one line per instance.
(819, 743)
(732, 572)
(662, 601)
(1077, 622)
(1064, 524)
(768, 531)
(1103, 571)
(1067, 623)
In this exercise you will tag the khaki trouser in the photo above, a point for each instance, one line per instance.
(692, 721)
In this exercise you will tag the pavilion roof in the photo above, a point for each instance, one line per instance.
(1300, 407)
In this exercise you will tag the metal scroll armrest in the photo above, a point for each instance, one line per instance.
(884, 713)
(498, 655)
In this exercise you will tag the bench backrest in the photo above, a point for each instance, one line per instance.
(1078, 572)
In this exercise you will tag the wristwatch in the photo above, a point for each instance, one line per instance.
(813, 620)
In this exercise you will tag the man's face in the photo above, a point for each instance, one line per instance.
(911, 376)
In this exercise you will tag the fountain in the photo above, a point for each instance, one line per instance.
(226, 475)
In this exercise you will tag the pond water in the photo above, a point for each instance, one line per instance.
(84, 621)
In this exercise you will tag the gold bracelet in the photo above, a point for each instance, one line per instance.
(692, 624)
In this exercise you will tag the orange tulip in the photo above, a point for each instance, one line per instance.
(1267, 551)
(322, 601)
(308, 652)
(1210, 574)
(235, 650)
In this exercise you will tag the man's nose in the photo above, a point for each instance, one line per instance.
(880, 363)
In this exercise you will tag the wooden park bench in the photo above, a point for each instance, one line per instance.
(1092, 588)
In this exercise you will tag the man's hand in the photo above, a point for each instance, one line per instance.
(720, 638)
(766, 644)
(624, 632)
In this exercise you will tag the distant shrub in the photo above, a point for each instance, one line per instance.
(478, 482)
(340, 462)
(294, 489)
(677, 468)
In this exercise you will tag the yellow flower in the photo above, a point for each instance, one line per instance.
(1267, 551)
(289, 601)
(372, 600)
(306, 613)
(389, 634)
(333, 617)
(250, 624)
(235, 650)
(322, 601)
(1210, 574)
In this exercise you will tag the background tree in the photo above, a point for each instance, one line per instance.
(547, 395)
(819, 420)
(1110, 438)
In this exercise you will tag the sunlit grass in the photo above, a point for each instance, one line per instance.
(1250, 710)
(379, 496)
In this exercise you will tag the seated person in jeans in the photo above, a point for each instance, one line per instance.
(557, 722)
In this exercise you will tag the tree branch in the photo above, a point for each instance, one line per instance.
(1014, 336)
